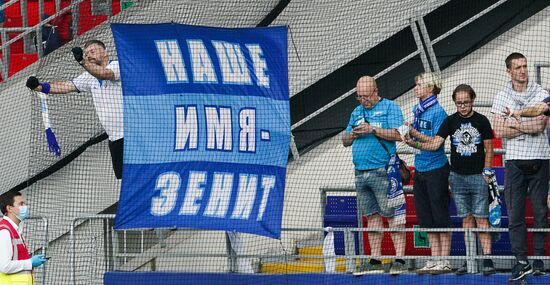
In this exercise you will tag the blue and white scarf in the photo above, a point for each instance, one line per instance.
(421, 107)
(396, 196)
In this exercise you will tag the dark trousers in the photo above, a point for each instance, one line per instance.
(117, 150)
(526, 177)
(431, 198)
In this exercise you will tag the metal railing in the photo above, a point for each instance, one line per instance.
(25, 30)
(538, 72)
(350, 257)
(471, 250)
(43, 242)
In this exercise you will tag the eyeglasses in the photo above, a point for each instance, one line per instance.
(463, 104)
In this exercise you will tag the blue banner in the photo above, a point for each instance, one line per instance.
(206, 127)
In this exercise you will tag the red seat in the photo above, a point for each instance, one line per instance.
(13, 21)
(21, 60)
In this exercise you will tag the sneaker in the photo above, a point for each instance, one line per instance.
(462, 270)
(442, 267)
(538, 267)
(369, 268)
(488, 267)
(520, 270)
(430, 264)
(398, 268)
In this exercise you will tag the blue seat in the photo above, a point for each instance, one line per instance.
(341, 209)
(341, 212)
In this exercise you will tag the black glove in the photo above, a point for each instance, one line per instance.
(78, 54)
(32, 82)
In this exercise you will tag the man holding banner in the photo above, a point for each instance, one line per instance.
(372, 132)
(206, 136)
(102, 79)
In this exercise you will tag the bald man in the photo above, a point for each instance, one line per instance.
(373, 123)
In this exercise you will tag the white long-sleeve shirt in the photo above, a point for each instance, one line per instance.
(7, 265)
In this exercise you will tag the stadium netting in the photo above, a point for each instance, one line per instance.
(331, 44)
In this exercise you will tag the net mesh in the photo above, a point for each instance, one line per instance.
(330, 45)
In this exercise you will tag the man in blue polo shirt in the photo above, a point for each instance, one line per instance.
(373, 123)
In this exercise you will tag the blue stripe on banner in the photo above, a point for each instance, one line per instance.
(245, 198)
(202, 60)
(161, 129)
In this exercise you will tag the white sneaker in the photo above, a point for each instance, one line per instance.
(430, 265)
(442, 267)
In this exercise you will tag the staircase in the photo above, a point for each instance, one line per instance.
(309, 260)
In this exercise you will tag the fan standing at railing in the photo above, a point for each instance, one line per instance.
(102, 79)
(372, 132)
(471, 161)
(431, 181)
(527, 162)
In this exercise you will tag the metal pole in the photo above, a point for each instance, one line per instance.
(428, 43)
(76, 16)
(73, 252)
(349, 243)
(294, 148)
(419, 45)
(44, 248)
(5, 54)
(471, 251)
(109, 8)
(232, 259)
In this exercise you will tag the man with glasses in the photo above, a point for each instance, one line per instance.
(527, 157)
(373, 123)
(471, 160)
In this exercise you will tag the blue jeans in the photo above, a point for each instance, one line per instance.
(522, 180)
(471, 195)
(372, 190)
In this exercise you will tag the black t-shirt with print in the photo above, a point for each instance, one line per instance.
(467, 136)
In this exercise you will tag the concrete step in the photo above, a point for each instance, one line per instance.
(309, 251)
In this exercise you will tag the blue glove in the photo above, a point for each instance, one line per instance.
(38, 260)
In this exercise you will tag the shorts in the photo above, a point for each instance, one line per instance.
(431, 198)
(471, 195)
(117, 150)
(372, 192)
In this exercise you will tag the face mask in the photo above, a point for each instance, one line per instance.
(23, 213)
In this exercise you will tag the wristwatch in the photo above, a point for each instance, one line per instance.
(374, 130)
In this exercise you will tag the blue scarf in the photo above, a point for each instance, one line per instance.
(421, 107)
(395, 194)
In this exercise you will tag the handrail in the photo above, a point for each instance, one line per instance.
(41, 23)
(45, 243)
(470, 257)
(26, 31)
(7, 4)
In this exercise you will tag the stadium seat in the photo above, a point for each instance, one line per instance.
(341, 212)
(20, 61)
(13, 19)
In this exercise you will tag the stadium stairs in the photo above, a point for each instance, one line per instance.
(310, 260)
